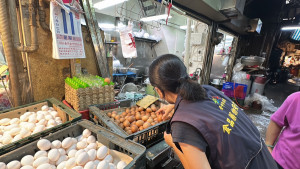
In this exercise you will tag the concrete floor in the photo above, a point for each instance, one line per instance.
(278, 93)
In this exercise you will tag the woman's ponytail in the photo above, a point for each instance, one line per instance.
(190, 90)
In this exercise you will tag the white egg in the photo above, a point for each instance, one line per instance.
(40, 153)
(27, 160)
(2, 165)
(14, 121)
(54, 113)
(72, 153)
(53, 154)
(121, 165)
(14, 165)
(103, 165)
(56, 144)
(91, 139)
(62, 165)
(92, 154)
(44, 144)
(48, 117)
(40, 116)
(90, 165)
(112, 166)
(86, 133)
(109, 158)
(62, 151)
(45, 108)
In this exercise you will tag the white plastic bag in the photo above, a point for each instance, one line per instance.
(238, 66)
(267, 105)
(128, 42)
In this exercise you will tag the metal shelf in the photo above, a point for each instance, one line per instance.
(112, 43)
(151, 41)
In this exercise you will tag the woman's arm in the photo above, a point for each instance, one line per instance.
(192, 157)
(272, 134)
(195, 158)
(169, 141)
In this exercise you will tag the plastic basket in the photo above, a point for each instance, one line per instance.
(106, 137)
(147, 137)
(65, 113)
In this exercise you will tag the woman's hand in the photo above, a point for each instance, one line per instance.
(165, 111)
(191, 157)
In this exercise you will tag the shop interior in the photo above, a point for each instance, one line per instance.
(247, 49)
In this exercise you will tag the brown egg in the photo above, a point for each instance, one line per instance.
(132, 109)
(117, 122)
(141, 128)
(159, 118)
(127, 128)
(153, 116)
(153, 108)
(138, 117)
(145, 118)
(150, 120)
(148, 110)
(132, 113)
(153, 123)
(134, 128)
(139, 123)
(109, 114)
(127, 110)
(126, 123)
(113, 115)
(141, 109)
(129, 132)
(146, 125)
(121, 125)
(130, 119)
(122, 120)
(117, 117)
(124, 113)
(148, 114)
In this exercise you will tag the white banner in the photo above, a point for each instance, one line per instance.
(66, 33)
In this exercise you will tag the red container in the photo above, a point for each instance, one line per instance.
(85, 113)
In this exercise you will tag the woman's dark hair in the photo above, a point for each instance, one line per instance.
(168, 73)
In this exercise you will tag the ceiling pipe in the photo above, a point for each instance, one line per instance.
(9, 53)
(15, 32)
(42, 16)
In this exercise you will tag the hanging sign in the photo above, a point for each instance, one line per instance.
(66, 31)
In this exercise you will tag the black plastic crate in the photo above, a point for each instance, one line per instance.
(67, 115)
(147, 137)
(106, 137)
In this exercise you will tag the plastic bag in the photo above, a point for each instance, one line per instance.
(239, 76)
(238, 66)
(128, 42)
(267, 104)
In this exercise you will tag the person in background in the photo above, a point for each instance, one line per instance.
(286, 152)
(207, 129)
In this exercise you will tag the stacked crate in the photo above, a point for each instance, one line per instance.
(82, 98)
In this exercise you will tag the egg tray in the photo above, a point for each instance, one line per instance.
(147, 137)
(105, 137)
(67, 115)
(81, 98)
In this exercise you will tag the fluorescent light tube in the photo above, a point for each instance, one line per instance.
(287, 28)
(185, 26)
(106, 26)
(155, 18)
(107, 3)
